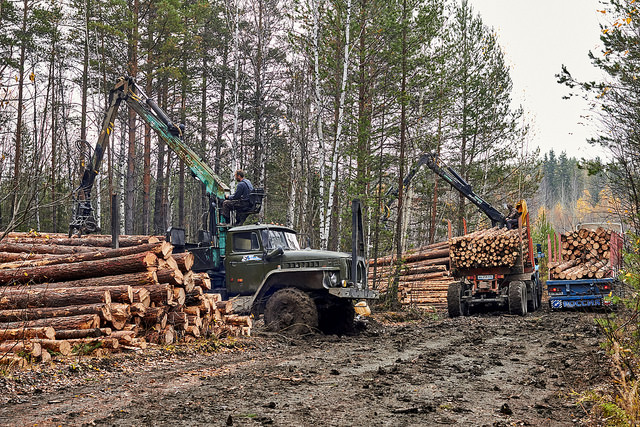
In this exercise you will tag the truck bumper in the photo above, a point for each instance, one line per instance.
(576, 301)
(352, 293)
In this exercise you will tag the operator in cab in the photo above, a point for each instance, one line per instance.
(239, 201)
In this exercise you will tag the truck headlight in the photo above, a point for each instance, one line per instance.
(331, 279)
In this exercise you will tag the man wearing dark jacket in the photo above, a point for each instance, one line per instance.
(239, 201)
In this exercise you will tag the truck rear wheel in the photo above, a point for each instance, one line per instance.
(455, 304)
(517, 298)
(291, 311)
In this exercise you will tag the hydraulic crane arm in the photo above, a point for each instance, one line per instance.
(456, 181)
(127, 90)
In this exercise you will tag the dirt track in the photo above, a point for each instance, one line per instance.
(486, 369)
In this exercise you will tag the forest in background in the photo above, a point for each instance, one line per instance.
(320, 101)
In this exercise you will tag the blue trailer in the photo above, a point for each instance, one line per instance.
(588, 287)
(581, 292)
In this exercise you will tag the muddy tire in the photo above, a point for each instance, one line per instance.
(291, 311)
(517, 298)
(455, 304)
(335, 315)
(532, 304)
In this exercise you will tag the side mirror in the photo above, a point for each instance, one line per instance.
(275, 253)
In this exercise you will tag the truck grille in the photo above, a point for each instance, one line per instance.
(302, 264)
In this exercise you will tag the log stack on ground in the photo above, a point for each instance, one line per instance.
(495, 247)
(586, 254)
(82, 295)
(423, 276)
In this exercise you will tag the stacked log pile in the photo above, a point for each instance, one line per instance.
(61, 295)
(495, 247)
(423, 276)
(585, 255)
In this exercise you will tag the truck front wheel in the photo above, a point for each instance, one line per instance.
(291, 311)
(455, 304)
(517, 298)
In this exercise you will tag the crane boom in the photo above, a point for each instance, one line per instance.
(456, 181)
(127, 90)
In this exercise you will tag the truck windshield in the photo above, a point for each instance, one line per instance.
(274, 238)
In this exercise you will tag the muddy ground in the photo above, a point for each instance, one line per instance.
(487, 369)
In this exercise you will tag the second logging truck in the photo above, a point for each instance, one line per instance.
(494, 276)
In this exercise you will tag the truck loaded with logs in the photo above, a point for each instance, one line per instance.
(497, 266)
(262, 265)
(583, 269)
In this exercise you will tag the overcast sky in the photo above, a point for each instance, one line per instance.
(537, 38)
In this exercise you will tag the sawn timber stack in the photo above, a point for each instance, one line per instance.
(423, 276)
(89, 296)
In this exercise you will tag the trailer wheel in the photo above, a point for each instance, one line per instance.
(455, 304)
(517, 298)
(291, 311)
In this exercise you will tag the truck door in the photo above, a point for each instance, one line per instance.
(244, 263)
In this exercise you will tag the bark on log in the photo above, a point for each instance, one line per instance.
(18, 315)
(83, 321)
(161, 250)
(160, 294)
(185, 261)
(27, 333)
(142, 278)
(64, 272)
(41, 248)
(28, 347)
(59, 297)
(87, 241)
(8, 257)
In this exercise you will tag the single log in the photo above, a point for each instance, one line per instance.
(185, 261)
(234, 319)
(138, 309)
(142, 296)
(64, 272)
(167, 274)
(390, 259)
(124, 337)
(59, 346)
(564, 266)
(27, 347)
(179, 296)
(90, 241)
(18, 315)
(159, 249)
(225, 307)
(62, 297)
(132, 279)
(168, 335)
(120, 314)
(202, 280)
(82, 321)
(178, 319)
(41, 248)
(188, 281)
(193, 330)
(9, 257)
(81, 333)
(159, 294)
